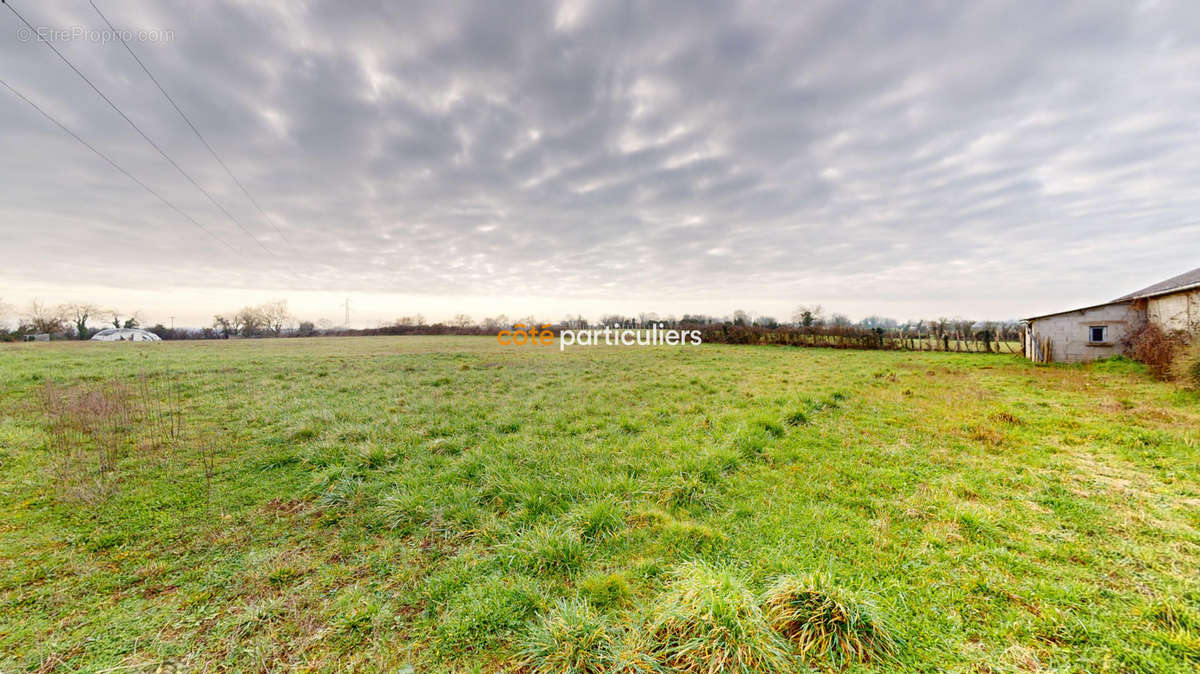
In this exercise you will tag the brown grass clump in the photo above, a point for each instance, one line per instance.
(826, 622)
(87, 430)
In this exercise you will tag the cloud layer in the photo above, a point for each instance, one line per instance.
(973, 158)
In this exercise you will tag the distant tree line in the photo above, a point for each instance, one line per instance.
(809, 325)
(63, 321)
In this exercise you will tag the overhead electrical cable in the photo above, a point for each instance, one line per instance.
(117, 166)
(133, 124)
(192, 126)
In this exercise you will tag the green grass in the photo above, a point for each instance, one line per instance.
(447, 504)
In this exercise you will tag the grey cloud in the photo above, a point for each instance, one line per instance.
(772, 149)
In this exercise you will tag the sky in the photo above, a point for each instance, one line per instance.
(920, 159)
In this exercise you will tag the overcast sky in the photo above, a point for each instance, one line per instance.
(899, 158)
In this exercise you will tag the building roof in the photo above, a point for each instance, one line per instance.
(1071, 311)
(125, 335)
(1184, 281)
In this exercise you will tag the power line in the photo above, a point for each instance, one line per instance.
(137, 128)
(117, 166)
(192, 126)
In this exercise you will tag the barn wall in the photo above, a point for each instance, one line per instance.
(1068, 332)
(1180, 311)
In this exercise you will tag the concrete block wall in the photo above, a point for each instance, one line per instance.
(1069, 332)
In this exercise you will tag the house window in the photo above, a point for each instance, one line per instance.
(1098, 333)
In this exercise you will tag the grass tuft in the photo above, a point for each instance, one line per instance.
(606, 590)
(633, 653)
(570, 638)
(751, 446)
(600, 519)
(797, 418)
(546, 549)
(707, 621)
(827, 622)
(689, 491)
(1173, 615)
(770, 426)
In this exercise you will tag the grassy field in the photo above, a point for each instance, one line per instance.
(446, 504)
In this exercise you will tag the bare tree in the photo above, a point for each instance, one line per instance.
(227, 325)
(497, 322)
(41, 317)
(274, 316)
(252, 321)
(808, 316)
(132, 321)
(462, 321)
(6, 310)
(407, 321)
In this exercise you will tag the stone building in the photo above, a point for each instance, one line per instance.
(1099, 331)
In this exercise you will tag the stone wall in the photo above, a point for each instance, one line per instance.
(1180, 311)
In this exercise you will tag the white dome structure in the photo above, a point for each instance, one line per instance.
(125, 335)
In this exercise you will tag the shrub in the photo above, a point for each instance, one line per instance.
(827, 622)
(570, 638)
(1155, 348)
(707, 621)
(1187, 364)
